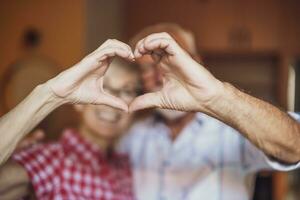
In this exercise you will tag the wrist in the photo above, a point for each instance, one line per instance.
(47, 96)
(221, 99)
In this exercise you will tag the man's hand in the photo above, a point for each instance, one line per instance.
(33, 138)
(83, 83)
(187, 86)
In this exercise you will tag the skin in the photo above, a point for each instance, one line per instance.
(188, 86)
(80, 84)
(152, 80)
(34, 137)
(100, 124)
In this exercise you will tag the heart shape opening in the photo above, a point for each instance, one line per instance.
(122, 80)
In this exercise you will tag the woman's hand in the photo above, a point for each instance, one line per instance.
(83, 83)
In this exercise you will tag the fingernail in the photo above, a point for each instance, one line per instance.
(131, 56)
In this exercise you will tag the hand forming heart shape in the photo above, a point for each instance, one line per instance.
(83, 83)
(187, 85)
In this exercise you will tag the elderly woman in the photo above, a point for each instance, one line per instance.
(83, 163)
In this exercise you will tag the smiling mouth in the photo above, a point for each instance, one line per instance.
(108, 116)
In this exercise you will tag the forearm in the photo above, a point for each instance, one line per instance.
(270, 129)
(23, 118)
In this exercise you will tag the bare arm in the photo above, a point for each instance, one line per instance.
(14, 181)
(19, 121)
(188, 86)
(267, 127)
(82, 83)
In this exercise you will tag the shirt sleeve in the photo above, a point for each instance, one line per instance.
(255, 159)
(40, 161)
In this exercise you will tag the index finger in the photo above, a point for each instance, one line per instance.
(154, 42)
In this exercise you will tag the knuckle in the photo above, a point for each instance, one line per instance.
(166, 34)
(147, 39)
(109, 40)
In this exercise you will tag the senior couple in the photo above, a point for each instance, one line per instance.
(204, 139)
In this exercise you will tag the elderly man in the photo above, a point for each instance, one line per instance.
(214, 149)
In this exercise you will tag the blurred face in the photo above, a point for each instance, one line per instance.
(151, 76)
(104, 121)
(152, 80)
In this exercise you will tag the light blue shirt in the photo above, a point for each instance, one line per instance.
(208, 160)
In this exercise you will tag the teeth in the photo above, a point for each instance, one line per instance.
(108, 116)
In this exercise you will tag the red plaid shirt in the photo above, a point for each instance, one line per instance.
(76, 169)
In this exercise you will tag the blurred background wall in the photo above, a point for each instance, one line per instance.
(62, 24)
(247, 27)
(251, 43)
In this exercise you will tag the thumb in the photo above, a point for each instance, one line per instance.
(112, 101)
(34, 138)
(149, 100)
